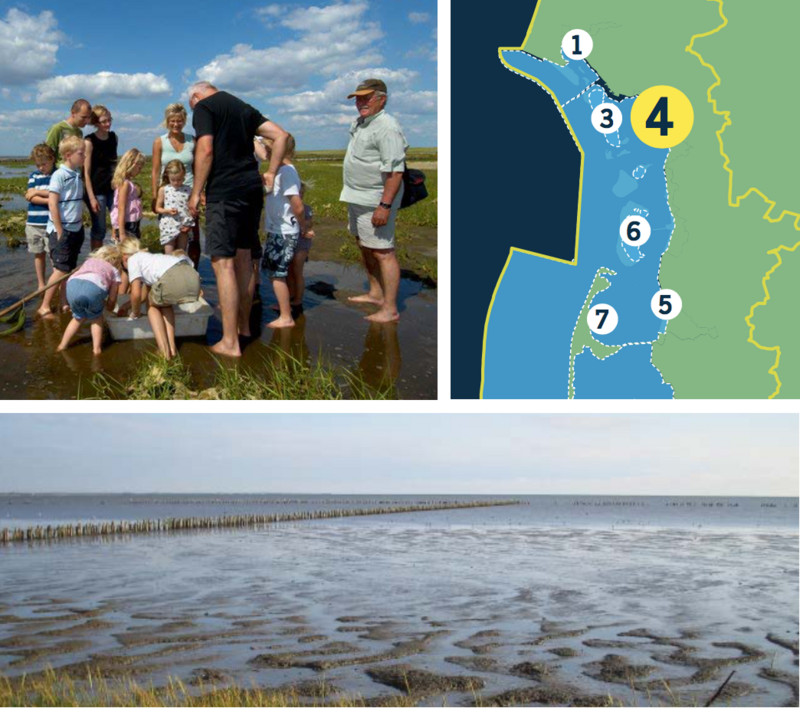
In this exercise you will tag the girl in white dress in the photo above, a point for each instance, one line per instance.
(172, 206)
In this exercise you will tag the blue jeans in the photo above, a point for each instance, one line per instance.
(105, 201)
(86, 300)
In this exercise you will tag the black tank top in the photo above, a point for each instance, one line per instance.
(104, 161)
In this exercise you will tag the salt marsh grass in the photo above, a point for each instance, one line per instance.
(281, 377)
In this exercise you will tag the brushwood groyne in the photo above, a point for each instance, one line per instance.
(228, 521)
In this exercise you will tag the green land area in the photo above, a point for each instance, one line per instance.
(719, 254)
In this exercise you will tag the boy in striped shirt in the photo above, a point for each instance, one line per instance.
(65, 226)
(38, 193)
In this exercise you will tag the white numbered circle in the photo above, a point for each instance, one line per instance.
(602, 319)
(635, 230)
(577, 44)
(607, 118)
(666, 304)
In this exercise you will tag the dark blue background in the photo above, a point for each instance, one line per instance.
(515, 172)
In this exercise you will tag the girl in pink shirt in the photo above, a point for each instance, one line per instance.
(127, 196)
(90, 289)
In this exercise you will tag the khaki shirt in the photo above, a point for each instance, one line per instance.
(377, 147)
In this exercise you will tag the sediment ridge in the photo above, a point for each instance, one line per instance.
(188, 523)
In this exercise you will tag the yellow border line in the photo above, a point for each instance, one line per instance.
(774, 252)
(514, 249)
(737, 203)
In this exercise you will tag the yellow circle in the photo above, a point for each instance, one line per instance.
(649, 109)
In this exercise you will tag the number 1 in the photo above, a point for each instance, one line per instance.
(576, 37)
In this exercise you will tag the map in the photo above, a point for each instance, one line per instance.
(685, 277)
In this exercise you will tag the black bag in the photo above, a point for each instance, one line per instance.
(415, 191)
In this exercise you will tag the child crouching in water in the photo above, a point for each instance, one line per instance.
(90, 289)
(285, 223)
(162, 281)
(172, 205)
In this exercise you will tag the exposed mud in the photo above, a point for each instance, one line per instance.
(417, 682)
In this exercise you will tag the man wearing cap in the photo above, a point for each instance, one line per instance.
(373, 188)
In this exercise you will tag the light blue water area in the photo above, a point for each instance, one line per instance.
(538, 302)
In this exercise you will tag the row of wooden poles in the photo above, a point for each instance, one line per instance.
(116, 528)
(263, 500)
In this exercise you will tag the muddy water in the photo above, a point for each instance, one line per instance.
(525, 613)
(404, 353)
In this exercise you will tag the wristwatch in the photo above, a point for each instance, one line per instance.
(385, 205)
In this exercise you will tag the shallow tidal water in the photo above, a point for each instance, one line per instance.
(586, 596)
(404, 353)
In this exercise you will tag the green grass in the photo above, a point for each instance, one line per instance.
(13, 185)
(280, 377)
(54, 689)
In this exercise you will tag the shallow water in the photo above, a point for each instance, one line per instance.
(467, 593)
(404, 353)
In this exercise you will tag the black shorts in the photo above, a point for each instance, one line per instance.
(64, 251)
(232, 224)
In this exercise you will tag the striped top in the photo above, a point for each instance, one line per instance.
(38, 214)
(69, 186)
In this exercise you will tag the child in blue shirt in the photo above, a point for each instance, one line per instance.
(65, 226)
(37, 195)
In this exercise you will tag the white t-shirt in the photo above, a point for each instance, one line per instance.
(279, 218)
(151, 266)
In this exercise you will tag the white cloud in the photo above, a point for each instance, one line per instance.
(131, 118)
(332, 40)
(32, 116)
(28, 46)
(333, 96)
(419, 18)
(104, 84)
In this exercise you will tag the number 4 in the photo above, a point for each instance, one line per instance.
(665, 123)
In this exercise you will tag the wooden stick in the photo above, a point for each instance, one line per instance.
(720, 690)
(35, 294)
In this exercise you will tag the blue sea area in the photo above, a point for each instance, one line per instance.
(539, 300)
(610, 378)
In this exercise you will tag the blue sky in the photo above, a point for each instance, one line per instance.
(755, 455)
(296, 61)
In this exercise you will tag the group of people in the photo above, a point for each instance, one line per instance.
(218, 167)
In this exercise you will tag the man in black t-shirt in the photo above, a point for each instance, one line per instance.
(225, 166)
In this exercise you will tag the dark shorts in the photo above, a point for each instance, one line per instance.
(278, 254)
(132, 228)
(64, 251)
(232, 225)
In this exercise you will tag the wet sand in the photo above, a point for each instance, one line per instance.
(331, 326)
(446, 614)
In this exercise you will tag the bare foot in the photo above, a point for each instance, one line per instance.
(61, 347)
(367, 297)
(220, 348)
(43, 312)
(281, 322)
(97, 352)
(381, 317)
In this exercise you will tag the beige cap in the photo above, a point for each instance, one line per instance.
(368, 86)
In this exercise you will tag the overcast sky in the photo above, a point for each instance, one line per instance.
(382, 454)
(295, 61)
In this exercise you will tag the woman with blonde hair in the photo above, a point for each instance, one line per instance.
(162, 281)
(176, 145)
(98, 170)
(90, 289)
